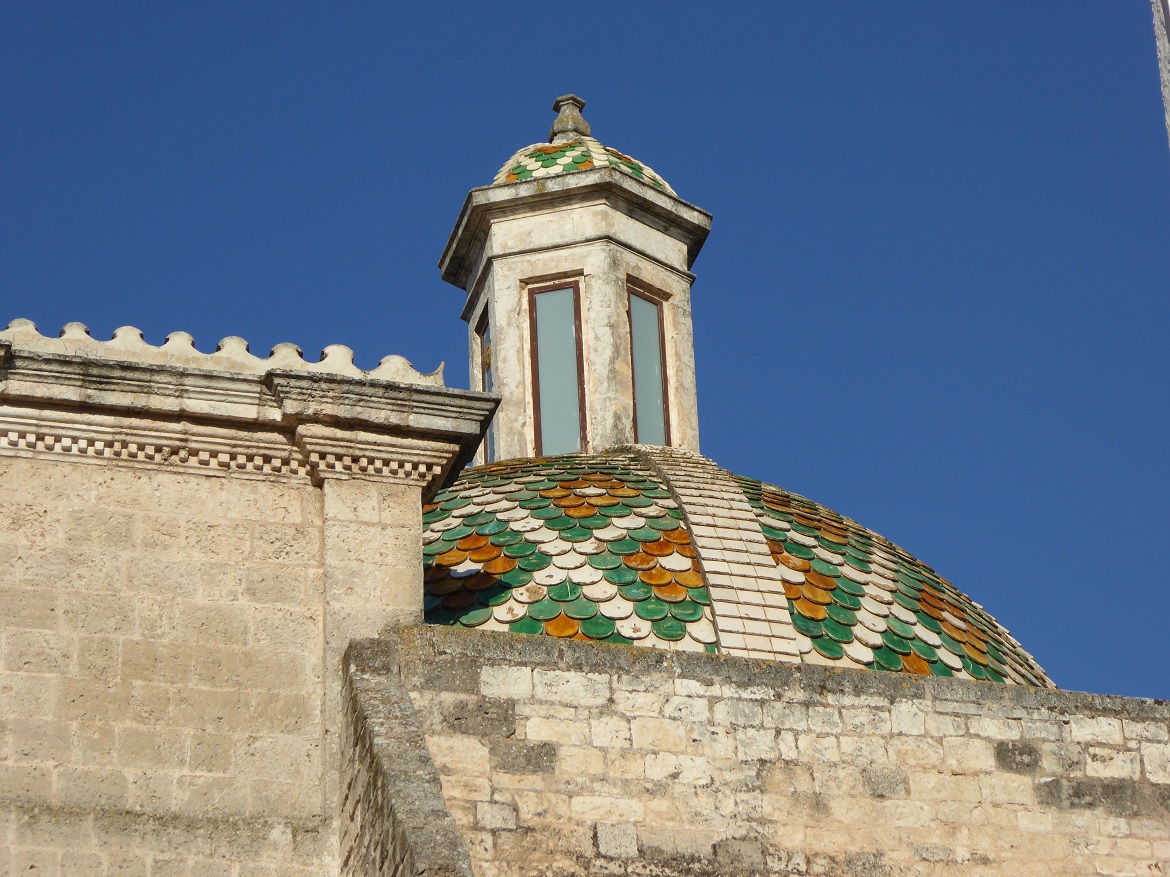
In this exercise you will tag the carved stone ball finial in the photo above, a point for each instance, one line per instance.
(569, 123)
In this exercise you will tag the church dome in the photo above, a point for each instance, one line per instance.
(571, 149)
(632, 546)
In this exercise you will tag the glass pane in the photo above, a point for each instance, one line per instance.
(556, 368)
(485, 346)
(647, 347)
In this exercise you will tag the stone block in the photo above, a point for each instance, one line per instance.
(610, 732)
(506, 682)
(595, 808)
(617, 840)
(522, 756)
(38, 651)
(686, 709)
(92, 787)
(1096, 729)
(571, 688)
(907, 717)
(459, 754)
(495, 817)
(557, 730)
(659, 735)
(687, 770)
(1017, 757)
(29, 784)
(1101, 761)
(1156, 762)
(885, 781)
(737, 713)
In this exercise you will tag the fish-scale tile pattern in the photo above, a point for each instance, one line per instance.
(858, 599)
(582, 154)
(584, 547)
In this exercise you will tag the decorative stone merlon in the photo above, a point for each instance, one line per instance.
(231, 354)
(218, 413)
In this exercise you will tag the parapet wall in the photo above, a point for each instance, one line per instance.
(577, 758)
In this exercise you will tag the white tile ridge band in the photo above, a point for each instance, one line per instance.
(747, 593)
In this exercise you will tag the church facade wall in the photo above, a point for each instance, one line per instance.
(564, 757)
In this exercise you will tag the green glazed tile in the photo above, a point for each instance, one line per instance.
(850, 587)
(923, 650)
(841, 615)
(604, 560)
(493, 527)
(830, 545)
(829, 648)
(495, 595)
(443, 616)
(617, 639)
(598, 627)
(952, 646)
(992, 674)
(674, 513)
(520, 549)
(928, 622)
(801, 551)
(564, 522)
(594, 522)
(845, 599)
(887, 659)
(577, 534)
(436, 548)
(807, 626)
(669, 629)
(475, 617)
(435, 516)
(534, 562)
(825, 569)
(564, 592)
(651, 609)
(938, 668)
(666, 522)
(516, 578)
(637, 502)
(536, 502)
(526, 625)
(456, 533)
(901, 628)
(616, 511)
(645, 534)
(700, 596)
(895, 643)
(623, 575)
(431, 603)
(907, 601)
(972, 668)
(580, 609)
(835, 630)
(625, 546)
(804, 529)
(772, 533)
(454, 503)
(544, 610)
(505, 538)
(548, 513)
(656, 493)
(687, 610)
(479, 519)
(636, 593)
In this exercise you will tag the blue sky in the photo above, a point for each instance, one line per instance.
(935, 295)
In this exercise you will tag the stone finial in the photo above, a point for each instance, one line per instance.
(569, 123)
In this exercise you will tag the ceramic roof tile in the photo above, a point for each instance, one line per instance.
(579, 154)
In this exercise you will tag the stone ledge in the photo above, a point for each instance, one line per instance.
(423, 643)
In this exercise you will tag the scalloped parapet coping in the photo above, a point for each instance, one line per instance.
(231, 354)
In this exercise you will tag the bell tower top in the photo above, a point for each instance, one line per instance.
(576, 264)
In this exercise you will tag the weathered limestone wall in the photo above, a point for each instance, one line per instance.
(162, 665)
(574, 758)
(188, 542)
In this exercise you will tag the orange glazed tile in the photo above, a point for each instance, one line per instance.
(671, 593)
(472, 542)
(451, 558)
(434, 573)
(915, 664)
(974, 654)
(569, 502)
(584, 510)
(656, 576)
(576, 483)
(687, 550)
(641, 560)
(796, 563)
(954, 632)
(459, 600)
(480, 581)
(562, 626)
(555, 492)
(488, 552)
(821, 581)
(445, 586)
(603, 501)
(792, 592)
(816, 595)
(810, 610)
(500, 565)
(661, 548)
(623, 491)
(689, 579)
(678, 537)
